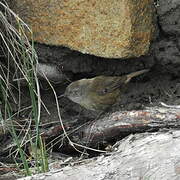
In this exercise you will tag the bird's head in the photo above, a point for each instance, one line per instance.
(77, 90)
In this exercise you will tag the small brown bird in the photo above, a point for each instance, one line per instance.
(100, 92)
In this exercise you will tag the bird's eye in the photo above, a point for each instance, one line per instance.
(102, 91)
(105, 90)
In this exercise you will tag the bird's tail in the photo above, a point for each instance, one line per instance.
(134, 74)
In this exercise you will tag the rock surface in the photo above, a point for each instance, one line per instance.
(116, 28)
(167, 48)
(168, 12)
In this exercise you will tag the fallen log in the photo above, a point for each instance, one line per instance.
(120, 124)
(140, 156)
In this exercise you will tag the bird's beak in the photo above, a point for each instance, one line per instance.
(61, 96)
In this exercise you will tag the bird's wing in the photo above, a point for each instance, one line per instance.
(108, 84)
(114, 83)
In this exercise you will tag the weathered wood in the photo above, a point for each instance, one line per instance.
(113, 126)
(118, 124)
(142, 156)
